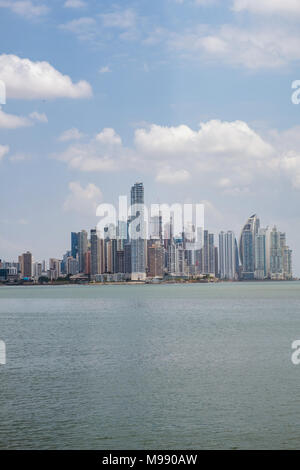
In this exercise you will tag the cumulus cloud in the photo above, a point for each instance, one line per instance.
(4, 149)
(230, 154)
(10, 121)
(25, 79)
(214, 137)
(251, 47)
(167, 175)
(71, 134)
(104, 152)
(82, 200)
(25, 8)
(40, 117)
(109, 137)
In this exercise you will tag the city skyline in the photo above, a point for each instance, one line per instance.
(154, 91)
(127, 250)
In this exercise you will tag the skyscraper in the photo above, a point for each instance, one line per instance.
(74, 244)
(276, 261)
(208, 254)
(156, 255)
(97, 254)
(26, 265)
(260, 255)
(227, 255)
(82, 249)
(247, 247)
(138, 262)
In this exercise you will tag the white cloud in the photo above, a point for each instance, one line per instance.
(10, 121)
(25, 79)
(71, 134)
(103, 153)
(4, 149)
(268, 6)
(167, 175)
(109, 137)
(228, 151)
(74, 4)
(40, 117)
(85, 28)
(214, 138)
(122, 19)
(83, 200)
(250, 47)
(228, 154)
(25, 8)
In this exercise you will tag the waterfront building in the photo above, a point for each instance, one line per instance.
(247, 247)
(82, 249)
(260, 255)
(97, 254)
(227, 255)
(87, 263)
(72, 266)
(74, 244)
(54, 271)
(26, 265)
(156, 254)
(138, 258)
(127, 259)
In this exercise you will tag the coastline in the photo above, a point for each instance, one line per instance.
(148, 283)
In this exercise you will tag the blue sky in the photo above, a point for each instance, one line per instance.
(193, 97)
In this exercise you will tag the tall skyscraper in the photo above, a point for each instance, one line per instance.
(26, 265)
(227, 255)
(276, 260)
(156, 260)
(82, 249)
(208, 254)
(111, 256)
(212, 261)
(205, 253)
(247, 247)
(260, 255)
(138, 259)
(97, 254)
(74, 244)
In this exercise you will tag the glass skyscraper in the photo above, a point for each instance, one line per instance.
(247, 247)
(138, 242)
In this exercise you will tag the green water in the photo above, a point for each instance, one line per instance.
(150, 367)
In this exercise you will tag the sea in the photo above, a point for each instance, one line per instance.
(169, 366)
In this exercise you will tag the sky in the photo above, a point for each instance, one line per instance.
(192, 97)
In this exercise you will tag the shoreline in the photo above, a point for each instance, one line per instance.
(145, 283)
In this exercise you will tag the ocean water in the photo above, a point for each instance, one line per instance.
(204, 366)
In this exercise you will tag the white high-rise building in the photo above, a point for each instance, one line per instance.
(227, 255)
(138, 246)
